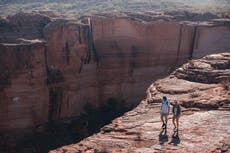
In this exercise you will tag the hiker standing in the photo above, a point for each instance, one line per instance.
(165, 108)
(176, 115)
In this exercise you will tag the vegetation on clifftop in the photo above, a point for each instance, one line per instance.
(76, 8)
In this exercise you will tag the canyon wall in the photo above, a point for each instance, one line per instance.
(23, 91)
(209, 40)
(92, 61)
(132, 54)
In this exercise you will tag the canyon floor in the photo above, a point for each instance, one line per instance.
(202, 89)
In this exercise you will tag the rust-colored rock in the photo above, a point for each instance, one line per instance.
(23, 90)
(200, 83)
(204, 124)
(52, 67)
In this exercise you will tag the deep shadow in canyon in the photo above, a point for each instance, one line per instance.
(55, 134)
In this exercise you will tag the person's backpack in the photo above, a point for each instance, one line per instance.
(167, 103)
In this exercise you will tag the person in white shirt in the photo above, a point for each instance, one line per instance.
(165, 108)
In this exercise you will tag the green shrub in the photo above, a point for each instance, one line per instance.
(225, 84)
(191, 63)
(194, 95)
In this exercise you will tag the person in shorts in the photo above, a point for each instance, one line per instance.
(176, 115)
(165, 108)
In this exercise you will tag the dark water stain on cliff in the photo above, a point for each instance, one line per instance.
(55, 101)
(91, 46)
(54, 75)
(5, 76)
(193, 38)
(67, 53)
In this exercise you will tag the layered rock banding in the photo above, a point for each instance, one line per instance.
(204, 124)
(23, 89)
(52, 67)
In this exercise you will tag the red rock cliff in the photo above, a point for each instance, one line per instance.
(23, 90)
(92, 60)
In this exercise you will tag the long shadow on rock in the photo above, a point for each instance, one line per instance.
(175, 139)
(163, 137)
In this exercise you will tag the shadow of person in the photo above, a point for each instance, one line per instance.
(175, 139)
(163, 137)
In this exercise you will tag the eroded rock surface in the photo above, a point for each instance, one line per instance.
(204, 124)
(200, 83)
(52, 67)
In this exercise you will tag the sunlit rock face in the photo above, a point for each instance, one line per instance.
(202, 83)
(132, 54)
(68, 55)
(53, 67)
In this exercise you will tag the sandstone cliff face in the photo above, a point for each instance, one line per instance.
(204, 124)
(23, 90)
(90, 61)
(137, 53)
(68, 52)
(210, 40)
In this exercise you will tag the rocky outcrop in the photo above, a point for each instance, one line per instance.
(52, 67)
(140, 131)
(200, 83)
(204, 124)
